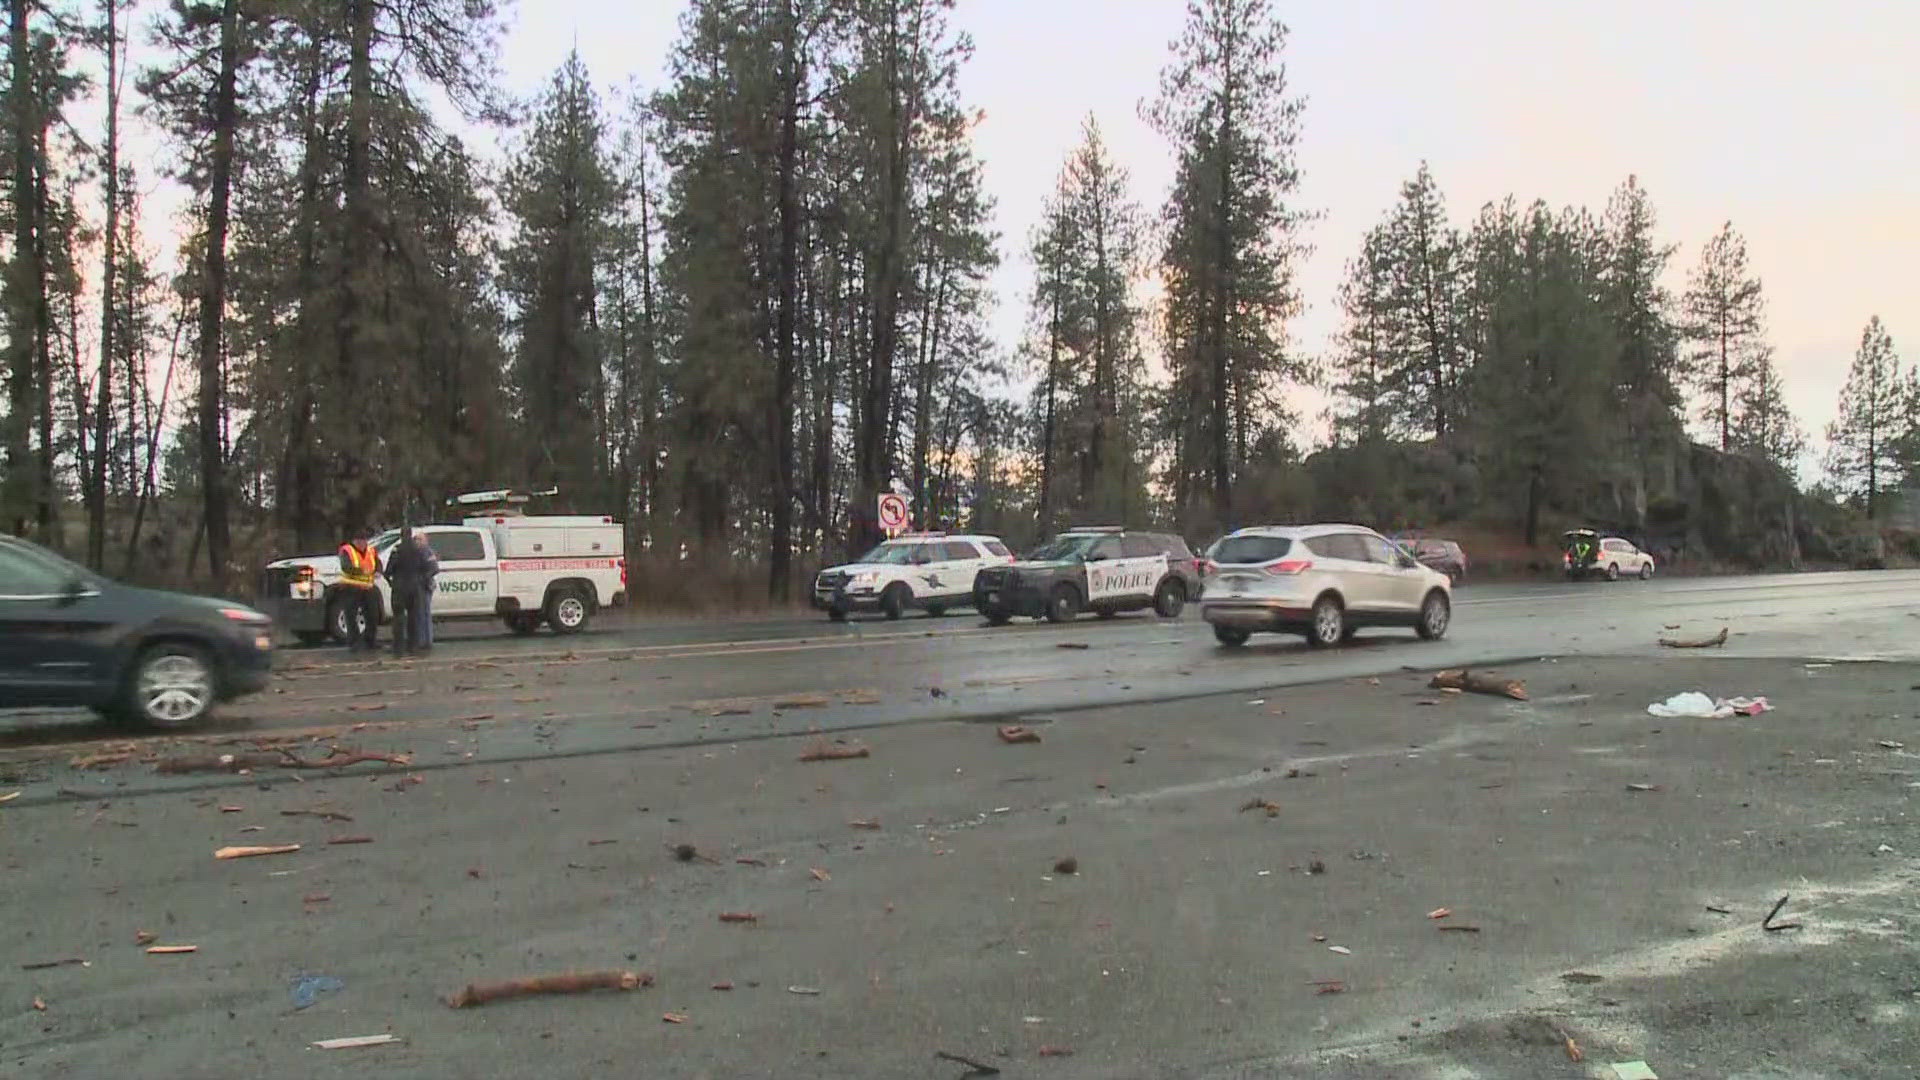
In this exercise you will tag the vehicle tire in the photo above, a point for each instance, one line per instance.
(523, 623)
(994, 616)
(1063, 604)
(1169, 599)
(312, 638)
(1231, 636)
(837, 614)
(568, 612)
(1646, 571)
(1329, 623)
(170, 685)
(936, 611)
(337, 619)
(1436, 611)
(1613, 571)
(893, 602)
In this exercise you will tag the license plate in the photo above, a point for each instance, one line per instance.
(1239, 587)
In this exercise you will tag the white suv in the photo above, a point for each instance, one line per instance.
(1324, 581)
(930, 572)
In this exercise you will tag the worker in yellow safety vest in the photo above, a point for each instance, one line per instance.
(359, 600)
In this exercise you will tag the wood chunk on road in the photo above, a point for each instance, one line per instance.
(355, 1041)
(1478, 683)
(1713, 642)
(1016, 733)
(828, 752)
(171, 950)
(246, 852)
(570, 983)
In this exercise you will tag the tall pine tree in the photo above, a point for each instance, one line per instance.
(1865, 442)
(1724, 316)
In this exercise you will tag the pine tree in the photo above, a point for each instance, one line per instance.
(1640, 309)
(1864, 443)
(1426, 364)
(1544, 355)
(1724, 316)
(1764, 426)
(560, 196)
(1232, 241)
(1366, 406)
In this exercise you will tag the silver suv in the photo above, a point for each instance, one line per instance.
(1324, 581)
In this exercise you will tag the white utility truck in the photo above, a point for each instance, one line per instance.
(497, 563)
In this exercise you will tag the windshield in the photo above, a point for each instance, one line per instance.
(891, 554)
(1065, 548)
(384, 540)
(34, 551)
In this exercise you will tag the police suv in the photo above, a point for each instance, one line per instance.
(931, 572)
(1104, 569)
(498, 563)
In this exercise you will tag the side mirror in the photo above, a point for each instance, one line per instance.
(71, 593)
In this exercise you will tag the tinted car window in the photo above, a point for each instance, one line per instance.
(998, 548)
(1252, 549)
(1378, 550)
(457, 546)
(958, 550)
(1139, 547)
(1104, 549)
(23, 575)
(1175, 547)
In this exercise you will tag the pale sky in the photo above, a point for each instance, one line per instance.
(1800, 123)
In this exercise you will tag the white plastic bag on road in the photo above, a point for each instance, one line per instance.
(1696, 704)
(1691, 703)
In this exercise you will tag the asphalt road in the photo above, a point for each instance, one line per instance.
(529, 833)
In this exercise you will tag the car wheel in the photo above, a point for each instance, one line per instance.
(837, 614)
(1329, 624)
(893, 602)
(1169, 599)
(1062, 604)
(172, 684)
(1646, 571)
(523, 623)
(1435, 613)
(1613, 571)
(936, 611)
(337, 620)
(568, 612)
(1231, 636)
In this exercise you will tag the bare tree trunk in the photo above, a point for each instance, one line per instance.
(780, 560)
(876, 431)
(359, 495)
(213, 302)
(103, 398)
(24, 274)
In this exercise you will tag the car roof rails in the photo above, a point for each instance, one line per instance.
(1097, 529)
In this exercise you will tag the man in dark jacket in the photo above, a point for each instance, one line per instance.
(406, 570)
(423, 603)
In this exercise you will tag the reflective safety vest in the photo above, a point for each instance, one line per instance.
(364, 564)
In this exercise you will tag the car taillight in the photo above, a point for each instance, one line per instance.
(1289, 567)
(1205, 566)
(623, 571)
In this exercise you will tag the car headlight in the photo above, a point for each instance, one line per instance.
(302, 589)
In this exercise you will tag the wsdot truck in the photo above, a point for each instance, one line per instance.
(522, 570)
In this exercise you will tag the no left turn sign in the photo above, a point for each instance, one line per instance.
(893, 514)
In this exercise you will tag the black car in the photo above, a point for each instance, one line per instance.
(69, 637)
(1105, 570)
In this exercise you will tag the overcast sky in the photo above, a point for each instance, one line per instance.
(1800, 123)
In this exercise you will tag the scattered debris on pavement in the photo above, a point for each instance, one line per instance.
(1016, 733)
(1316, 867)
(823, 751)
(1439, 913)
(1071, 645)
(723, 984)
(1582, 978)
(1479, 683)
(42, 965)
(1769, 925)
(1889, 744)
(570, 983)
(673, 1018)
(739, 917)
(323, 815)
(145, 937)
(355, 1041)
(350, 840)
(1574, 1053)
(1272, 808)
(1056, 1051)
(245, 852)
(1459, 928)
(863, 824)
(1713, 642)
(803, 701)
(1067, 865)
(1328, 986)
(819, 874)
(1633, 1070)
(1643, 787)
(979, 1068)
(1341, 949)
(804, 991)
(281, 759)
(9, 796)
(171, 950)
(681, 852)
(39, 1005)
